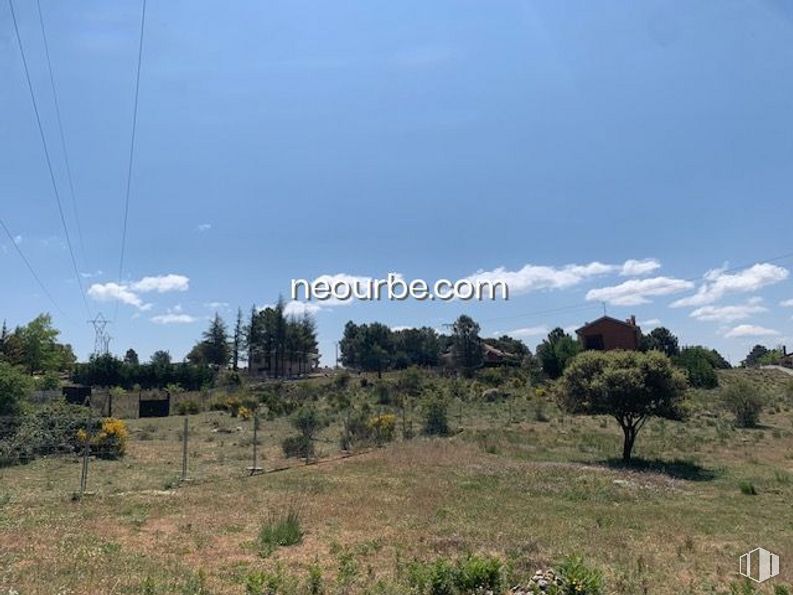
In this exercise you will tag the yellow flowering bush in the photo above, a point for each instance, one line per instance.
(111, 440)
(244, 413)
(382, 427)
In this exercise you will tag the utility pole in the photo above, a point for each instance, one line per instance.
(101, 337)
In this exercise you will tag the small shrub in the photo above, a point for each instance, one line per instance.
(49, 381)
(477, 574)
(314, 582)
(297, 446)
(382, 428)
(580, 579)
(280, 532)
(744, 402)
(245, 413)
(233, 405)
(382, 392)
(436, 420)
(187, 407)
(747, 488)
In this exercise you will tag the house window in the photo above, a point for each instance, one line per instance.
(594, 342)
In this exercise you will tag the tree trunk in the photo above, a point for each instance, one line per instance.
(627, 445)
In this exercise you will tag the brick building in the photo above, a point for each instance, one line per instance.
(608, 333)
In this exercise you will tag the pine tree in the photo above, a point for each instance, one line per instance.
(216, 341)
(238, 339)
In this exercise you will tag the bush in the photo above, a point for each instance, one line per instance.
(744, 402)
(280, 532)
(474, 574)
(382, 392)
(382, 428)
(14, 387)
(187, 407)
(747, 488)
(50, 429)
(49, 381)
(297, 446)
(111, 440)
(436, 420)
(698, 364)
(579, 579)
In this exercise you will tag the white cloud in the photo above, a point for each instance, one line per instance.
(535, 277)
(637, 291)
(786, 303)
(128, 293)
(216, 305)
(17, 239)
(297, 308)
(91, 275)
(729, 313)
(750, 330)
(636, 268)
(718, 283)
(528, 331)
(173, 318)
(161, 284)
(113, 292)
(203, 227)
(398, 328)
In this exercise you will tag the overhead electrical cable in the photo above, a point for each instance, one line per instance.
(48, 159)
(131, 151)
(62, 135)
(29, 266)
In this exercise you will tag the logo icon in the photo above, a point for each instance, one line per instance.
(759, 565)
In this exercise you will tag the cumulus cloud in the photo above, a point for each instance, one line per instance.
(719, 283)
(786, 303)
(161, 284)
(128, 293)
(528, 331)
(216, 305)
(729, 313)
(536, 277)
(636, 268)
(173, 318)
(750, 330)
(638, 291)
(113, 292)
(203, 227)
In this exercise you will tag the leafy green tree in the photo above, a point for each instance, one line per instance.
(466, 345)
(160, 358)
(131, 357)
(630, 386)
(556, 351)
(661, 339)
(368, 347)
(15, 385)
(745, 402)
(698, 364)
(38, 340)
(754, 356)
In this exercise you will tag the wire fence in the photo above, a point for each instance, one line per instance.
(83, 454)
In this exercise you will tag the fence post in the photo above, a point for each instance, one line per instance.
(255, 467)
(84, 470)
(184, 448)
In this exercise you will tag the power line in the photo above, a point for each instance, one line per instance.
(131, 150)
(30, 266)
(47, 157)
(61, 134)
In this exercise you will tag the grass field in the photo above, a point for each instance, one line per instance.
(517, 480)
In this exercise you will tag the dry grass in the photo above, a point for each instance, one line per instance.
(530, 492)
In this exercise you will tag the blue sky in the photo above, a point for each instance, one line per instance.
(435, 139)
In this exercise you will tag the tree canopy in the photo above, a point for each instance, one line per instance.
(556, 351)
(661, 339)
(627, 385)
